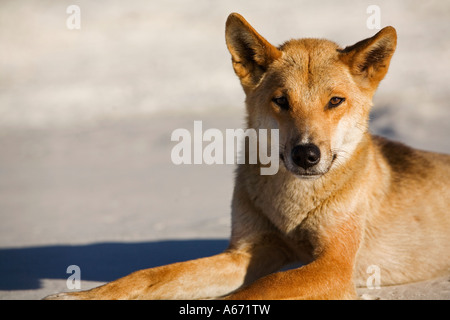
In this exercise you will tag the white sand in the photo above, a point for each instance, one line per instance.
(86, 118)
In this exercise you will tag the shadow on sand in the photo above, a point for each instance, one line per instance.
(23, 268)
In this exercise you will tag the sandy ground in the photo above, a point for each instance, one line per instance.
(86, 117)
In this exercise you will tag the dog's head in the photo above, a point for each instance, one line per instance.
(317, 94)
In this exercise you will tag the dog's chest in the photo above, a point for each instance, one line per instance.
(285, 203)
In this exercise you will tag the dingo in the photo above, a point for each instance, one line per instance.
(342, 200)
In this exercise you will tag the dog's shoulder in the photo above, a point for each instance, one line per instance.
(407, 161)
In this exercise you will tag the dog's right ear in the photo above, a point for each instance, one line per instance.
(251, 54)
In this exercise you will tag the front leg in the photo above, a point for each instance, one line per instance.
(205, 278)
(195, 279)
(255, 251)
(330, 276)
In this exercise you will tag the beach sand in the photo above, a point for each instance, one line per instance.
(86, 118)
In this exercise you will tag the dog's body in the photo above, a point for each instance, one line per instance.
(343, 200)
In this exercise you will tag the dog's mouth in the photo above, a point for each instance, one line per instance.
(310, 173)
(309, 176)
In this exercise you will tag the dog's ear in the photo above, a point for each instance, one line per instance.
(369, 59)
(251, 54)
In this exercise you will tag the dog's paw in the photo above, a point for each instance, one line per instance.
(366, 296)
(63, 296)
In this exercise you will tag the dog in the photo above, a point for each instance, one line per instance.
(342, 200)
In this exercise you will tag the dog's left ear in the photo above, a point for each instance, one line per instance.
(369, 59)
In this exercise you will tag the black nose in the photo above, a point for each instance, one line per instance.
(306, 155)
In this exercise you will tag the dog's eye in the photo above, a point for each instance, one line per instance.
(282, 102)
(335, 101)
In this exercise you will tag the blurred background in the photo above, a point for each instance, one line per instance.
(86, 117)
